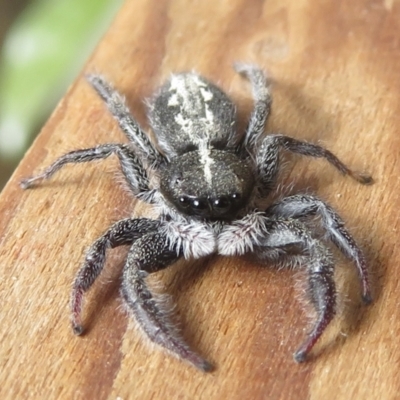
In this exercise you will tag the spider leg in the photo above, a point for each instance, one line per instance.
(303, 206)
(131, 166)
(149, 254)
(289, 243)
(313, 150)
(258, 118)
(268, 160)
(268, 163)
(123, 232)
(262, 103)
(284, 239)
(322, 291)
(116, 105)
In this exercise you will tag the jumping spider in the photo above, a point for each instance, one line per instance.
(208, 183)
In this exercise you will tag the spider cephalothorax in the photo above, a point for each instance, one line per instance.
(208, 184)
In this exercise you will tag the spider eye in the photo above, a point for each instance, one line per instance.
(236, 196)
(199, 204)
(221, 203)
(184, 201)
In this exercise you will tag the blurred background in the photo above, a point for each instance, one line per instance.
(43, 45)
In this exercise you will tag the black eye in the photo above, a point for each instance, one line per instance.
(236, 196)
(199, 204)
(221, 202)
(184, 201)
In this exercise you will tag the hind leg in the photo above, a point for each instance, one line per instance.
(262, 103)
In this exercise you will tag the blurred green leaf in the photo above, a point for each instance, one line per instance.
(43, 51)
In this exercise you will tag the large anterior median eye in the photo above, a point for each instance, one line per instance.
(184, 201)
(221, 203)
(199, 204)
(194, 203)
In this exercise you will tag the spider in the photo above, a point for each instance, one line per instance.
(208, 184)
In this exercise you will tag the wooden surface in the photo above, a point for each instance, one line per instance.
(335, 67)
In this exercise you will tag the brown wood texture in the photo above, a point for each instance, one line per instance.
(335, 70)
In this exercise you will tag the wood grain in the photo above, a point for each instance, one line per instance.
(334, 67)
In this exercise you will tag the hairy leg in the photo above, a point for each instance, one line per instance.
(304, 206)
(131, 166)
(268, 165)
(262, 103)
(124, 232)
(288, 242)
(322, 292)
(149, 254)
(318, 262)
(268, 161)
(116, 104)
(313, 150)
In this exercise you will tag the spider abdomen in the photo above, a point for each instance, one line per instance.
(189, 113)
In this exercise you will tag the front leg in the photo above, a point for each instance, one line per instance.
(305, 206)
(149, 254)
(124, 232)
(288, 243)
